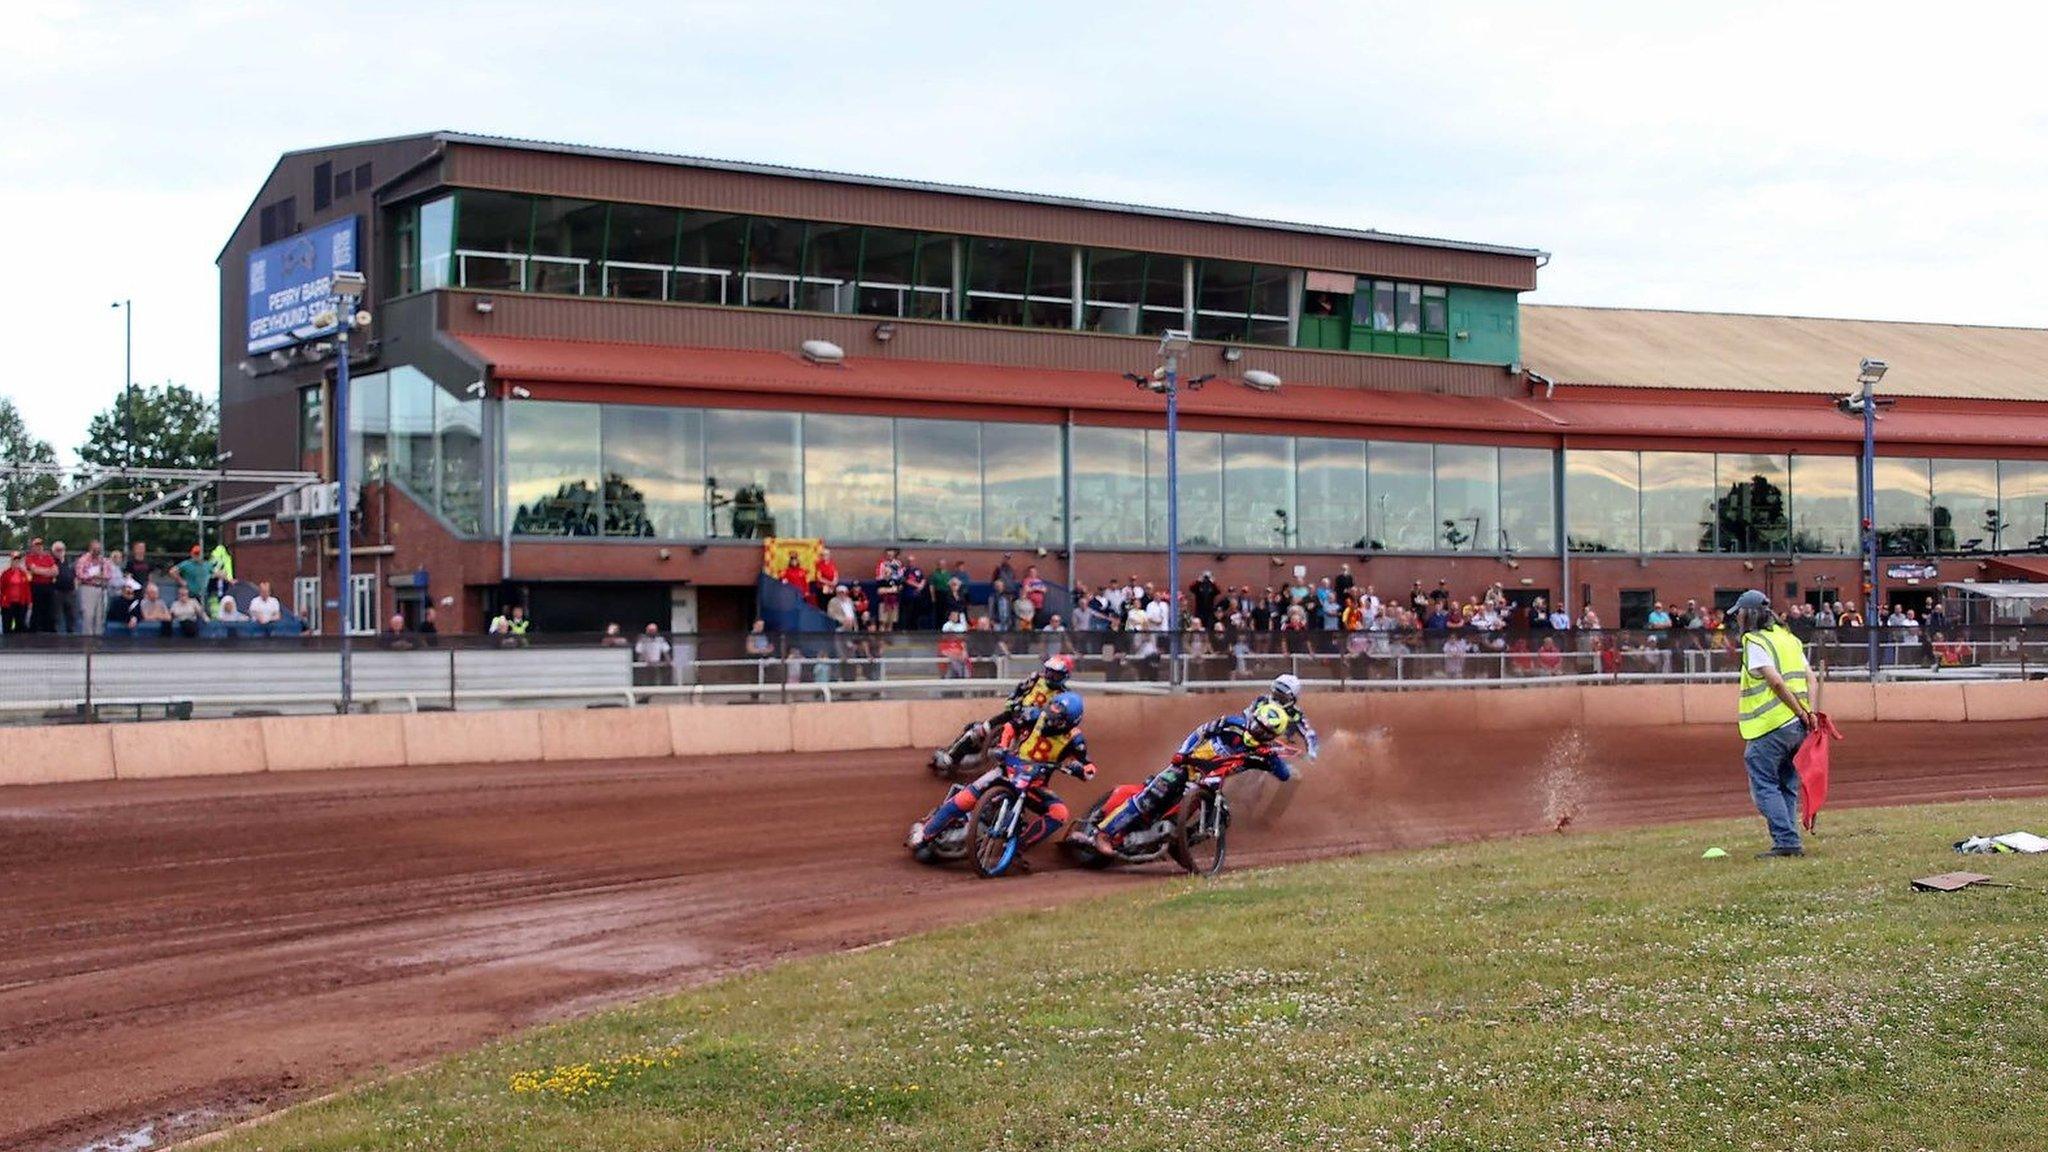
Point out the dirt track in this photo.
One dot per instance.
(217, 947)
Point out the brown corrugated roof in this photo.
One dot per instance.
(1640, 348)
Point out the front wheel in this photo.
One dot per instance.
(1199, 836)
(994, 829)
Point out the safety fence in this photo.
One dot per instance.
(54, 679)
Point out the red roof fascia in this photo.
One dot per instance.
(1574, 412)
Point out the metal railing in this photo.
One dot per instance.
(51, 679)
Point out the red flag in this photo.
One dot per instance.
(1811, 762)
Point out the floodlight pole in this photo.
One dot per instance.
(1173, 669)
(1868, 374)
(348, 289)
(127, 308)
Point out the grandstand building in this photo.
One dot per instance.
(595, 380)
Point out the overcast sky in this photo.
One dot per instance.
(1821, 159)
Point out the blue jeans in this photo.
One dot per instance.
(1773, 783)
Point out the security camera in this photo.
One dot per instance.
(476, 389)
(521, 393)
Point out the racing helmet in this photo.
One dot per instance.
(1286, 688)
(1062, 712)
(1266, 721)
(1058, 668)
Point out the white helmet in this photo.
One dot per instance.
(1286, 687)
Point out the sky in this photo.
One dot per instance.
(1869, 160)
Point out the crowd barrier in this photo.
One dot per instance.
(73, 753)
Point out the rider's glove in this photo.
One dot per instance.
(1085, 771)
(1212, 781)
(1177, 760)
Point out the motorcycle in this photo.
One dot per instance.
(1194, 831)
(993, 833)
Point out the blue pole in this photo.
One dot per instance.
(1870, 610)
(341, 533)
(1173, 518)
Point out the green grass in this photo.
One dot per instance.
(1610, 991)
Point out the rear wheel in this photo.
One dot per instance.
(993, 852)
(1198, 838)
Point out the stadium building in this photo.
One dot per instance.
(595, 380)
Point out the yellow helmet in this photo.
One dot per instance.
(1267, 721)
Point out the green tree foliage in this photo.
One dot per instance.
(175, 427)
(18, 446)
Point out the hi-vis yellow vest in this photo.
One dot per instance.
(1759, 711)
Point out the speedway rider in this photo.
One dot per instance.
(1049, 736)
(1286, 692)
(1264, 723)
(1031, 693)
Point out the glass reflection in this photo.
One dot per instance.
(1965, 504)
(551, 471)
(1905, 513)
(653, 471)
(1678, 501)
(1601, 501)
(1109, 485)
(2023, 503)
(1467, 497)
(1201, 489)
(1258, 491)
(1403, 498)
(1528, 500)
(849, 477)
(458, 425)
(1330, 487)
(1825, 512)
(938, 480)
(369, 420)
(1753, 511)
(412, 432)
(1021, 483)
(754, 471)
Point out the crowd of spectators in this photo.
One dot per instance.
(45, 589)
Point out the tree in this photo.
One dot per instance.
(17, 446)
(175, 427)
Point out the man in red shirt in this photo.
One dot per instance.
(14, 595)
(42, 587)
(826, 580)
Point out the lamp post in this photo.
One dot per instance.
(1166, 380)
(127, 308)
(349, 288)
(1866, 403)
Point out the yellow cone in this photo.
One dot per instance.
(1713, 854)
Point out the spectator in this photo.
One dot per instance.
(185, 612)
(1456, 649)
(1548, 658)
(797, 579)
(1001, 607)
(1034, 587)
(223, 564)
(914, 599)
(1056, 637)
(510, 627)
(64, 600)
(1205, 593)
(612, 638)
(889, 589)
(93, 573)
(1024, 612)
(429, 629)
(265, 611)
(138, 570)
(15, 596)
(42, 586)
(1156, 613)
(1004, 574)
(150, 609)
(760, 645)
(394, 636)
(939, 598)
(651, 657)
(826, 578)
(195, 574)
(953, 646)
(1589, 620)
(840, 609)
(1345, 582)
(230, 612)
(1560, 620)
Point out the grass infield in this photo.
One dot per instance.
(1583, 991)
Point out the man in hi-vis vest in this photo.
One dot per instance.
(1775, 710)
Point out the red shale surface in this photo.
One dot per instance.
(210, 948)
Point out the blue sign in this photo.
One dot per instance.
(290, 283)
